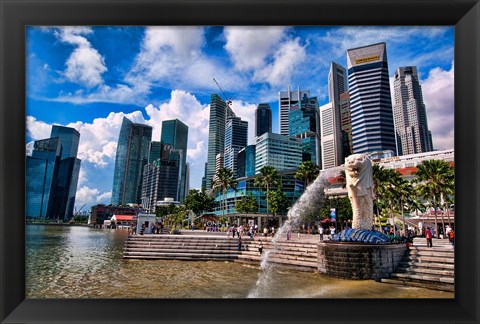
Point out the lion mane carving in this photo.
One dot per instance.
(359, 176)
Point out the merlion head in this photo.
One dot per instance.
(356, 164)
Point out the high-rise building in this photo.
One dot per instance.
(52, 175)
(160, 181)
(346, 124)
(337, 84)
(68, 172)
(236, 133)
(175, 133)
(219, 163)
(219, 111)
(204, 178)
(263, 119)
(304, 123)
(131, 157)
(155, 151)
(285, 100)
(327, 135)
(246, 162)
(409, 112)
(370, 99)
(281, 152)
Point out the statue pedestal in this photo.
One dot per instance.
(351, 260)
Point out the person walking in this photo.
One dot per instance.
(428, 235)
(260, 247)
(320, 230)
(451, 237)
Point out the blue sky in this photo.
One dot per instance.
(90, 77)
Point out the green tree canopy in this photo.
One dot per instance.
(198, 201)
(268, 177)
(247, 204)
(278, 202)
(307, 171)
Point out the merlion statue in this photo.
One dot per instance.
(359, 176)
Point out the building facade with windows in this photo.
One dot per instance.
(263, 119)
(236, 133)
(131, 157)
(413, 135)
(285, 100)
(337, 84)
(175, 133)
(346, 125)
(219, 111)
(304, 123)
(370, 99)
(279, 151)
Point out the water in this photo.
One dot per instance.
(81, 262)
(310, 202)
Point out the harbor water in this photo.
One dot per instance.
(83, 262)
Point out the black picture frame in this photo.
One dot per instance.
(15, 15)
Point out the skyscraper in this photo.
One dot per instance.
(52, 175)
(160, 179)
(409, 112)
(346, 124)
(131, 157)
(155, 151)
(327, 135)
(246, 162)
(263, 119)
(285, 100)
(41, 174)
(219, 111)
(370, 99)
(175, 133)
(337, 84)
(281, 152)
(304, 123)
(236, 134)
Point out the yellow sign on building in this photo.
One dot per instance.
(367, 59)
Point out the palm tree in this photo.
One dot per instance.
(268, 177)
(307, 171)
(434, 177)
(403, 192)
(383, 184)
(224, 180)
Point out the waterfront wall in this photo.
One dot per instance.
(359, 261)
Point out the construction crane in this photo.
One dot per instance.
(228, 101)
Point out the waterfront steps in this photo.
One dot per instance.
(182, 247)
(432, 268)
(292, 254)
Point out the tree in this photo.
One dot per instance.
(268, 177)
(307, 171)
(434, 177)
(403, 192)
(246, 204)
(223, 181)
(198, 201)
(278, 202)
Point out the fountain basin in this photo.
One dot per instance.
(353, 260)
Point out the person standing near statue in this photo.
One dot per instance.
(320, 230)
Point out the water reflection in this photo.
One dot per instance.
(81, 262)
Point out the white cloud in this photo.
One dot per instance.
(85, 64)
(250, 46)
(186, 108)
(246, 111)
(438, 95)
(38, 129)
(91, 196)
(287, 58)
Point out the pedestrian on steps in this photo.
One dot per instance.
(428, 235)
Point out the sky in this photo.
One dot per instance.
(89, 78)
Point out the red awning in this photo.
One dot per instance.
(124, 218)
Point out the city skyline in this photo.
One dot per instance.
(82, 82)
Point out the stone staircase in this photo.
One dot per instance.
(299, 255)
(432, 268)
(182, 247)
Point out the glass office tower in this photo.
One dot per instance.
(175, 133)
(370, 99)
(263, 119)
(236, 133)
(131, 157)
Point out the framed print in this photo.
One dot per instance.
(87, 85)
